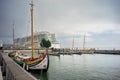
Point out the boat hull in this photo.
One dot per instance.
(41, 65)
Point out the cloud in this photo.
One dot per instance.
(65, 18)
(69, 17)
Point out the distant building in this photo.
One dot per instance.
(1, 44)
(26, 41)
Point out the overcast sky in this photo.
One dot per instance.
(99, 19)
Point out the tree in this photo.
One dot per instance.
(48, 44)
(45, 43)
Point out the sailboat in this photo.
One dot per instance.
(30, 62)
(84, 50)
(74, 51)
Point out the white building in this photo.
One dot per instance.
(1, 44)
(26, 41)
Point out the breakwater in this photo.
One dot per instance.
(107, 51)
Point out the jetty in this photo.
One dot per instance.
(107, 52)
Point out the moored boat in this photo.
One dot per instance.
(38, 63)
(84, 50)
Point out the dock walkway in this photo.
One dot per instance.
(1, 78)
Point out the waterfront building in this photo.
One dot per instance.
(1, 44)
(26, 41)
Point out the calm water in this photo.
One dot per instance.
(82, 67)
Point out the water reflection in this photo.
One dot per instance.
(41, 75)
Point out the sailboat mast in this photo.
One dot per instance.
(13, 35)
(32, 28)
(73, 43)
(84, 42)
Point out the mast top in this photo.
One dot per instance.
(32, 3)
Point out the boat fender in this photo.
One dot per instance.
(24, 66)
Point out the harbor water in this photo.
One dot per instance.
(82, 67)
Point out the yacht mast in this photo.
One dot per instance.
(13, 35)
(32, 28)
(73, 43)
(84, 42)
